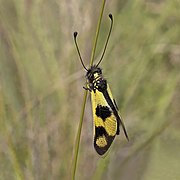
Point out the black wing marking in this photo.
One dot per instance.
(100, 132)
(116, 104)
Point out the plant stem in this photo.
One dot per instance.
(78, 136)
(97, 32)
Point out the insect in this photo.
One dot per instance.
(107, 121)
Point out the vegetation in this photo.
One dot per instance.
(41, 92)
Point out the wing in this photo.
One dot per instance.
(112, 103)
(106, 124)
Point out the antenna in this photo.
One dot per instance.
(75, 40)
(111, 18)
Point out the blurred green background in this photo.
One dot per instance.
(41, 92)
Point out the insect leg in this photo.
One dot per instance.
(86, 88)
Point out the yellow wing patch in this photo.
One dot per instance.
(111, 125)
(101, 141)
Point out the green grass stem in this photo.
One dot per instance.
(78, 136)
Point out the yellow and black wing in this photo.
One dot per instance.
(106, 120)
